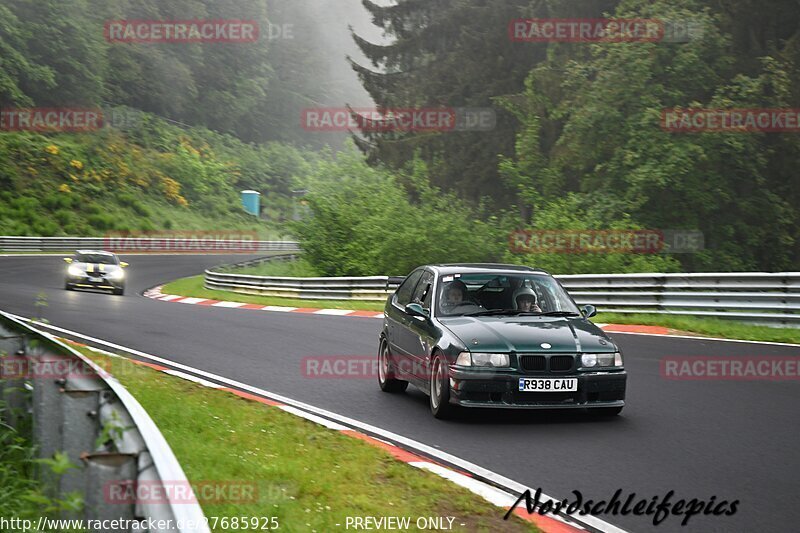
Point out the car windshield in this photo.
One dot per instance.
(103, 259)
(493, 294)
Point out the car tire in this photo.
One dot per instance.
(68, 287)
(386, 378)
(119, 292)
(606, 411)
(440, 389)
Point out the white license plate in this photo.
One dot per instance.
(95, 280)
(548, 384)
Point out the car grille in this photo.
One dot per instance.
(539, 363)
(561, 363)
(533, 363)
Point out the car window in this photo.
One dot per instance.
(474, 292)
(406, 290)
(422, 294)
(103, 259)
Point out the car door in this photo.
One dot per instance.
(396, 319)
(418, 336)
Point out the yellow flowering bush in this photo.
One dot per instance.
(64, 188)
(52, 149)
(172, 191)
(76, 164)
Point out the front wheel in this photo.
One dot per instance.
(440, 389)
(119, 292)
(386, 378)
(68, 286)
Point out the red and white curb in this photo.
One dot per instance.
(496, 489)
(156, 294)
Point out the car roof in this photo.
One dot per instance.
(481, 268)
(100, 252)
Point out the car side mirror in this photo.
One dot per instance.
(68, 260)
(589, 311)
(416, 310)
(123, 264)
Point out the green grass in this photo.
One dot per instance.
(193, 286)
(309, 477)
(727, 329)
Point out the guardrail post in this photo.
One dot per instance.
(12, 379)
(47, 419)
(661, 286)
(80, 412)
(108, 476)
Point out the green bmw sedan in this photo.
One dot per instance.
(497, 336)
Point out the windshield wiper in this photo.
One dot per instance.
(490, 312)
(503, 312)
(561, 313)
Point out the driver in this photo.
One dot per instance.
(455, 293)
(525, 300)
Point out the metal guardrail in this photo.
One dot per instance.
(371, 288)
(768, 298)
(123, 244)
(759, 297)
(78, 409)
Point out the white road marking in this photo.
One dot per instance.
(308, 416)
(339, 312)
(228, 304)
(192, 300)
(189, 377)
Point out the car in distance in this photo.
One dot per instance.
(95, 269)
(497, 336)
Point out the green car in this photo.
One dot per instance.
(497, 336)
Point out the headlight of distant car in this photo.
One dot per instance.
(591, 360)
(498, 360)
(75, 271)
(116, 274)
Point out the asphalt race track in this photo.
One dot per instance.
(736, 440)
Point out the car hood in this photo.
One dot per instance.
(96, 267)
(527, 334)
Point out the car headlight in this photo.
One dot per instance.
(116, 274)
(75, 271)
(590, 360)
(494, 360)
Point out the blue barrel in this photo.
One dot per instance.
(251, 201)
